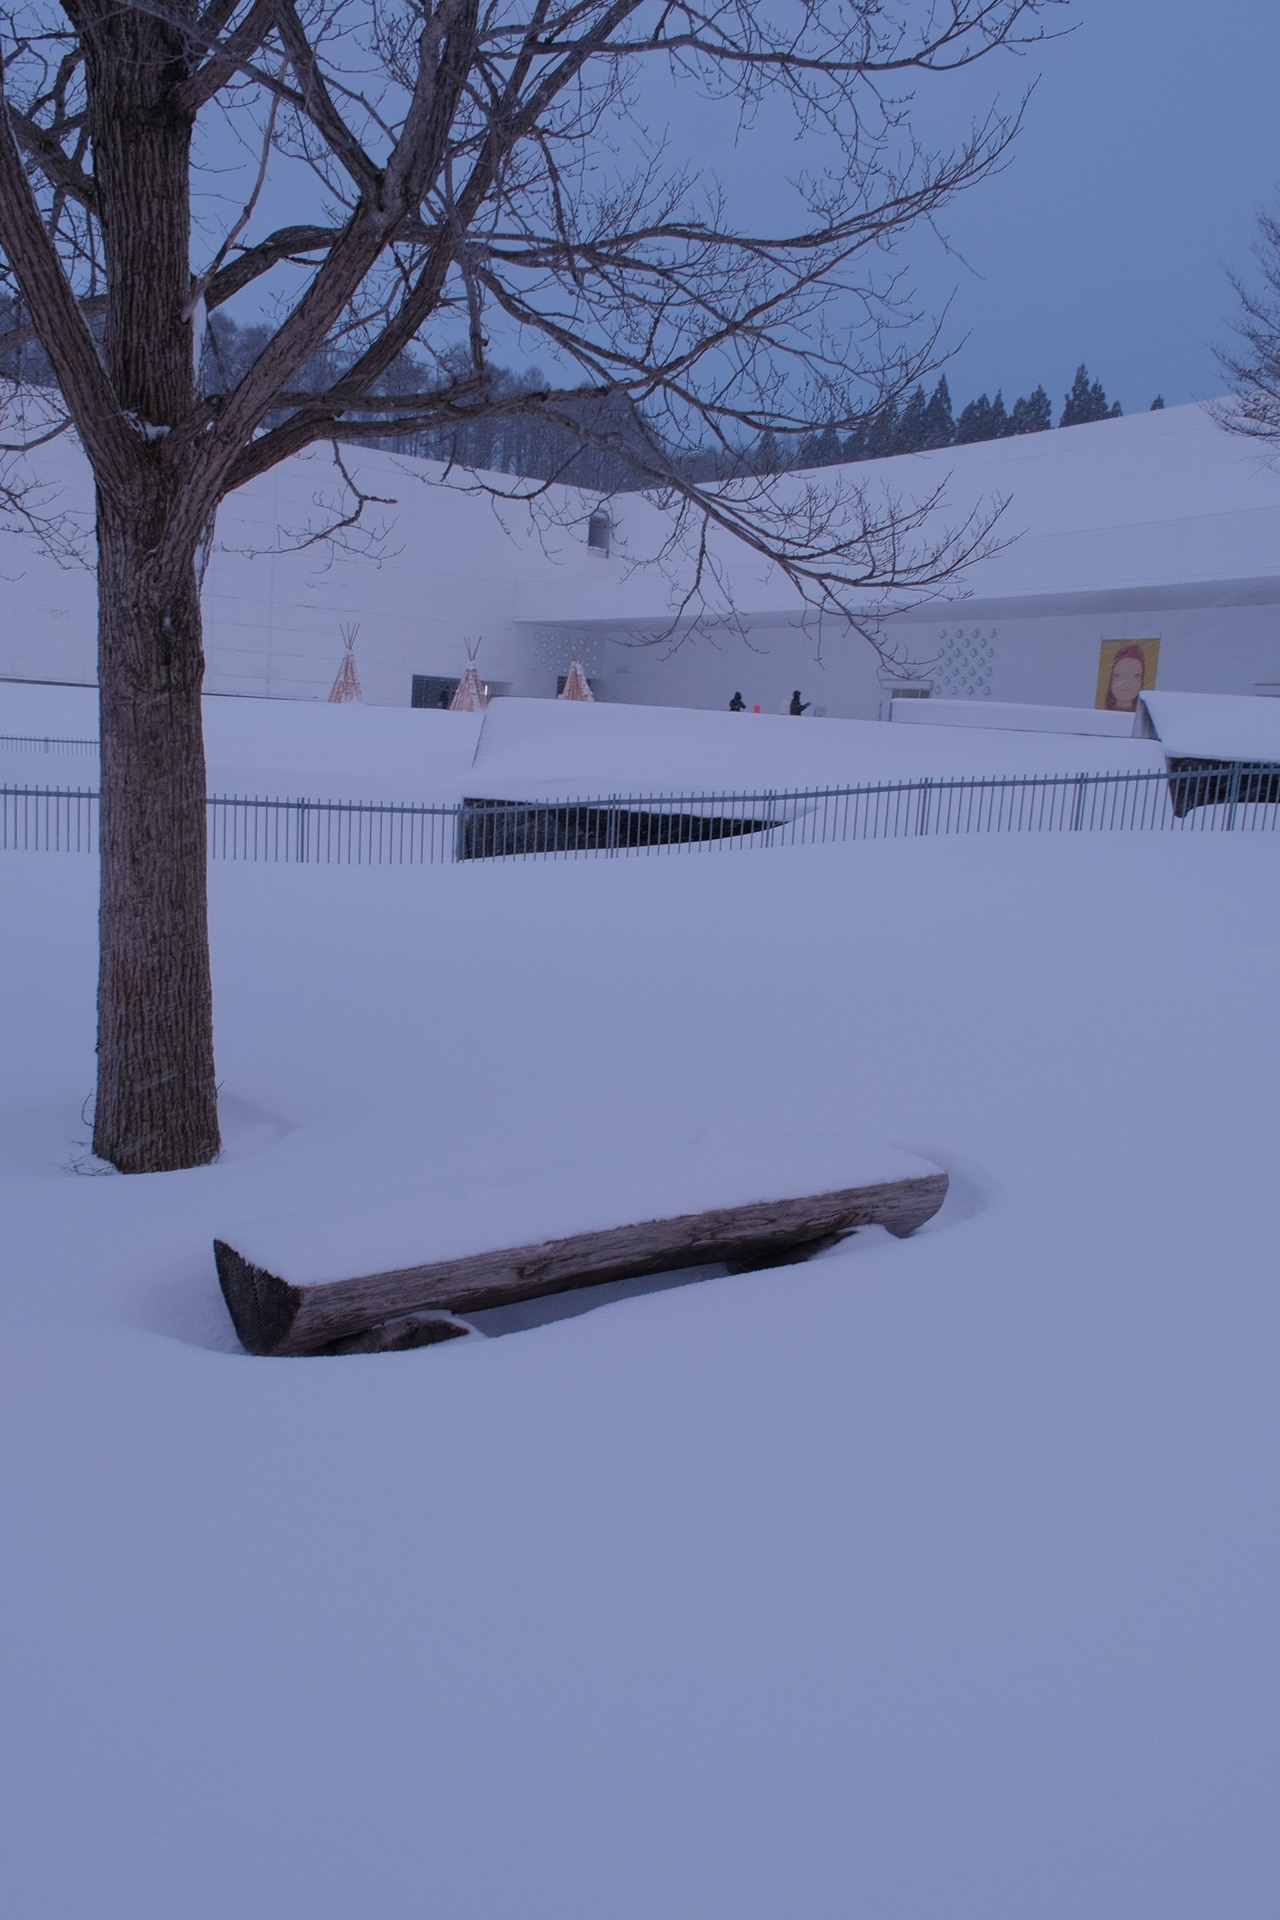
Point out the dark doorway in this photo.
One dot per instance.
(432, 690)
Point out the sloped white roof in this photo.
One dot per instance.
(1166, 505)
(551, 749)
(555, 749)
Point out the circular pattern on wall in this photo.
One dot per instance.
(556, 653)
(965, 663)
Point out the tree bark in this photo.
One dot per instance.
(157, 1096)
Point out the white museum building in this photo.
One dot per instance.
(1146, 547)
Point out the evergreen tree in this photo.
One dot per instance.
(766, 455)
(913, 424)
(1086, 401)
(982, 419)
(876, 434)
(940, 428)
(1033, 415)
(972, 421)
(825, 449)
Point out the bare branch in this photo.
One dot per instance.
(226, 63)
(57, 165)
(1253, 367)
(201, 287)
(56, 315)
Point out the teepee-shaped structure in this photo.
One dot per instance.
(346, 682)
(575, 684)
(469, 695)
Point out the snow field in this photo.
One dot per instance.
(933, 1580)
(547, 749)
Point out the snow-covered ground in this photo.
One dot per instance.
(934, 1580)
(548, 749)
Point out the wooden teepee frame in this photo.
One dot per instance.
(575, 684)
(346, 682)
(469, 695)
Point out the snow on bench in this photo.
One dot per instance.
(396, 1270)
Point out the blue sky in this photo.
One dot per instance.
(1150, 143)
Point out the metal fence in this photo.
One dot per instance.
(320, 832)
(1187, 797)
(41, 743)
(359, 833)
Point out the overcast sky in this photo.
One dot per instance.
(1152, 139)
(1150, 142)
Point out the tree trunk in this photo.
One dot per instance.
(157, 1097)
(157, 1104)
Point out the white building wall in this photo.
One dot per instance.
(1166, 499)
(422, 573)
(766, 667)
(426, 570)
(49, 607)
(998, 656)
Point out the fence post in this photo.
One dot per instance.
(1077, 807)
(922, 809)
(1233, 796)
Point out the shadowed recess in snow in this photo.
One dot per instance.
(526, 1314)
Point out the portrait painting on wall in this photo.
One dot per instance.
(1126, 668)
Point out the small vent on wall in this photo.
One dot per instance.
(902, 690)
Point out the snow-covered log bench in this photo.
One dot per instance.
(392, 1271)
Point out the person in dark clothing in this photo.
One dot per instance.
(797, 704)
(737, 704)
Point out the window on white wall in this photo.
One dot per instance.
(599, 532)
(432, 690)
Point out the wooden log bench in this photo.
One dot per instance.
(353, 1279)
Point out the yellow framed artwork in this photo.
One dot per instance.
(1126, 668)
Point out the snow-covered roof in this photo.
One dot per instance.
(552, 749)
(555, 749)
(1215, 726)
(1165, 506)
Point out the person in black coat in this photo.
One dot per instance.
(797, 704)
(737, 704)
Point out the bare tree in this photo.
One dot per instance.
(472, 165)
(1252, 364)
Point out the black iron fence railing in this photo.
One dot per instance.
(1202, 796)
